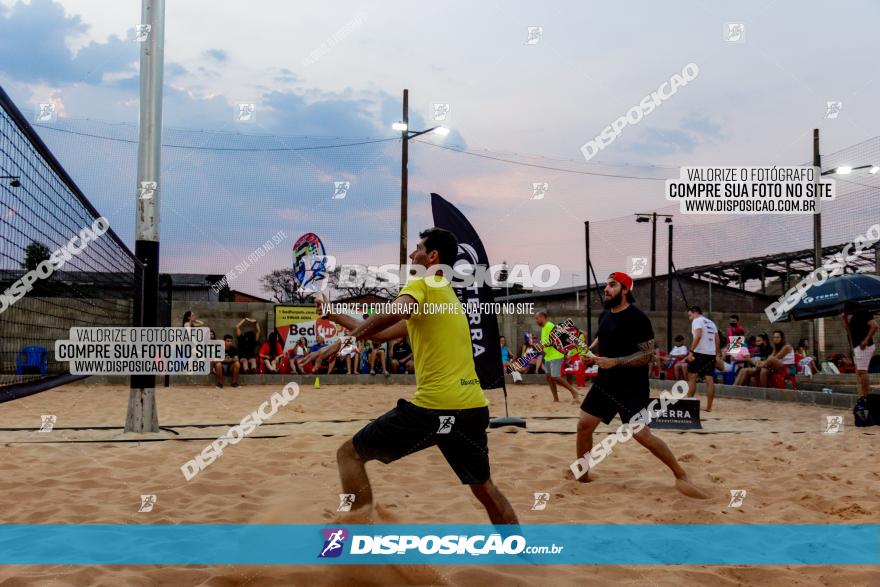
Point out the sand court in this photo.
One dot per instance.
(86, 471)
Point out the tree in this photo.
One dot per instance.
(34, 254)
(283, 286)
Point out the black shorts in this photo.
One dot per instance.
(459, 434)
(702, 364)
(605, 403)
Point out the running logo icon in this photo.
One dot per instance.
(446, 423)
(246, 113)
(540, 189)
(346, 500)
(142, 32)
(147, 190)
(833, 424)
(147, 503)
(833, 108)
(534, 35)
(638, 265)
(46, 113)
(342, 188)
(541, 501)
(334, 540)
(735, 32)
(47, 423)
(737, 497)
(440, 112)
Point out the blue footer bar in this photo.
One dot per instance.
(546, 544)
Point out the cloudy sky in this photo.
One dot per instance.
(331, 74)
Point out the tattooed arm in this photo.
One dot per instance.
(640, 358)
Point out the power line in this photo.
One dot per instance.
(203, 148)
(511, 161)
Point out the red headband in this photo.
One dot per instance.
(623, 279)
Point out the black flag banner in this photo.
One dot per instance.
(484, 325)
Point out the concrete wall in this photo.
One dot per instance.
(223, 316)
(701, 293)
(35, 321)
(513, 327)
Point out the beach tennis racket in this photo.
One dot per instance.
(310, 263)
(564, 337)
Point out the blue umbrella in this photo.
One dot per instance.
(847, 293)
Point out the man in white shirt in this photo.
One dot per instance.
(704, 351)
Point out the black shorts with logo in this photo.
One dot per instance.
(406, 429)
(606, 403)
(702, 364)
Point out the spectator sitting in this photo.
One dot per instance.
(402, 357)
(505, 352)
(536, 364)
(377, 359)
(737, 353)
(319, 344)
(297, 352)
(748, 375)
(808, 364)
(780, 361)
(247, 345)
(752, 345)
(676, 359)
(349, 354)
(271, 353)
(229, 365)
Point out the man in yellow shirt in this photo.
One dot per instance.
(553, 359)
(449, 408)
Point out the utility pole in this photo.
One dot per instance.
(589, 296)
(818, 323)
(669, 295)
(653, 261)
(404, 160)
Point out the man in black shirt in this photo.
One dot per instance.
(247, 345)
(624, 346)
(229, 364)
(862, 328)
(402, 357)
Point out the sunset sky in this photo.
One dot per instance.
(334, 72)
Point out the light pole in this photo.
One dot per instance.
(669, 290)
(503, 275)
(652, 218)
(405, 136)
(577, 294)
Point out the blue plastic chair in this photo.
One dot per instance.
(31, 360)
(364, 366)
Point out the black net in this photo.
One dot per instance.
(42, 214)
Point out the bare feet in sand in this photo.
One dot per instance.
(569, 475)
(687, 488)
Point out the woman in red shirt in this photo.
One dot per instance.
(271, 353)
